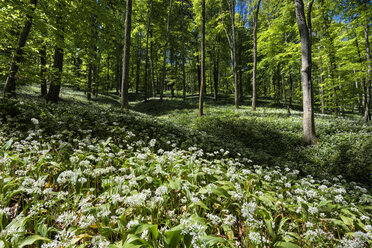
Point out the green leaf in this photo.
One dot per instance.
(220, 192)
(134, 242)
(30, 240)
(152, 228)
(340, 224)
(270, 228)
(213, 240)
(8, 145)
(175, 184)
(78, 238)
(347, 220)
(286, 245)
(174, 236)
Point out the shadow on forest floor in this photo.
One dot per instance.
(269, 136)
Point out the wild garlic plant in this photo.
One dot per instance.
(83, 177)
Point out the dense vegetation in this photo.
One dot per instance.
(185, 123)
(86, 174)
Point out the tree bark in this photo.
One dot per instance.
(125, 80)
(162, 83)
(232, 44)
(43, 70)
(138, 66)
(216, 76)
(145, 86)
(152, 69)
(117, 73)
(183, 52)
(308, 111)
(367, 111)
(202, 62)
(254, 90)
(55, 84)
(10, 83)
(321, 84)
(291, 90)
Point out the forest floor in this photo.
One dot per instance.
(88, 174)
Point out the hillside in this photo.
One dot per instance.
(88, 174)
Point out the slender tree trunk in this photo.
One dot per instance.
(321, 84)
(367, 111)
(216, 76)
(254, 90)
(89, 90)
(358, 93)
(162, 83)
(232, 44)
(117, 73)
(330, 48)
(96, 69)
(198, 71)
(233, 53)
(152, 69)
(125, 80)
(341, 92)
(183, 52)
(145, 86)
(202, 62)
(291, 90)
(138, 66)
(308, 111)
(55, 85)
(43, 70)
(10, 83)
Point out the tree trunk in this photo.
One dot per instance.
(43, 70)
(308, 112)
(55, 85)
(138, 66)
(202, 62)
(254, 91)
(152, 69)
(145, 84)
(216, 76)
(330, 48)
(367, 111)
(358, 93)
(10, 83)
(232, 44)
(183, 54)
(233, 53)
(125, 80)
(321, 84)
(291, 90)
(162, 83)
(89, 90)
(117, 73)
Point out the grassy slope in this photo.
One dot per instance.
(117, 146)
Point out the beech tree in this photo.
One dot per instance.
(304, 27)
(254, 90)
(125, 80)
(10, 84)
(202, 60)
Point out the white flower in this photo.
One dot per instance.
(35, 121)
(152, 142)
(313, 210)
(215, 220)
(339, 198)
(132, 223)
(229, 220)
(162, 190)
(255, 237)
